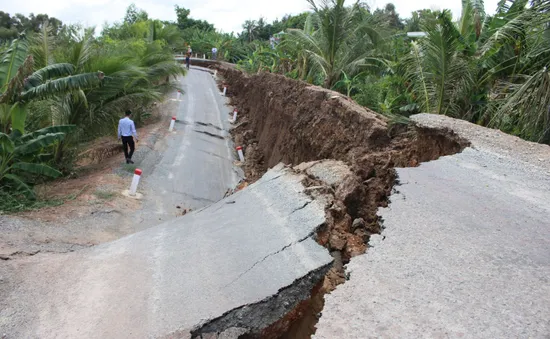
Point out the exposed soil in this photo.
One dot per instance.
(95, 181)
(283, 120)
(90, 195)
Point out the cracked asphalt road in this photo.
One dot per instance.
(465, 249)
(228, 257)
(239, 251)
(190, 168)
(194, 167)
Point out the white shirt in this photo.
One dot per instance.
(126, 128)
(214, 50)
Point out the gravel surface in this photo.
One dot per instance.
(490, 140)
(465, 250)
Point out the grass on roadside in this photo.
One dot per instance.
(130, 168)
(105, 195)
(14, 203)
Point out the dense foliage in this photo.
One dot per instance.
(54, 78)
(490, 70)
(62, 87)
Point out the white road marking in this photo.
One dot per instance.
(189, 118)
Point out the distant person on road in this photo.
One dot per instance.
(127, 132)
(187, 60)
(214, 53)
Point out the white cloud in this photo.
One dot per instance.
(226, 15)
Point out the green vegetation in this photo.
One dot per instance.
(130, 168)
(105, 195)
(492, 70)
(61, 87)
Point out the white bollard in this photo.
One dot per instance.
(135, 182)
(204, 56)
(234, 115)
(178, 95)
(240, 152)
(172, 123)
(224, 90)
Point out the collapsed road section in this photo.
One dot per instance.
(469, 232)
(242, 262)
(257, 263)
(465, 250)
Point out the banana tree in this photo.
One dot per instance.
(19, 84)
(348, 83)
(24, 156)
(341, 41)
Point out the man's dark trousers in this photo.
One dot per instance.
(128, 141)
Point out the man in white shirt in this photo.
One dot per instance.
(127, 132)
(214, 53)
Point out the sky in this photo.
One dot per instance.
(226, 15)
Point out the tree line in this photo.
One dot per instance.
(62, 85)
(492, 70)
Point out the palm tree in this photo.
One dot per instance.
(19, 84)
(131, 82)
(250, 27)
(521, 95)
(168, 34)
(340, 43)
(303, 67)
(437, 70)
(491, 70)
(21, 155)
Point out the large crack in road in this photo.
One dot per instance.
(247, 252)
(257, 263)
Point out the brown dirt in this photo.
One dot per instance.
(283, 120)
(94, 185)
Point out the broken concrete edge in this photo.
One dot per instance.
(489, 140)
(353, 195)
(344, 234)
(258, 317)
(275, 314)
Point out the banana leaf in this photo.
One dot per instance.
(39, 169)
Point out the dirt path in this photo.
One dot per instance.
(191, 167)
(94, 211)
(184, 170)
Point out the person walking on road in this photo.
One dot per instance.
(214, 53)
(127, 132)
(187, 60)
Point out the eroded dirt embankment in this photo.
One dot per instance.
(283, 120)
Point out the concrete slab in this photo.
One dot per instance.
(234, 254)
(195, 168)
(465, 252)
